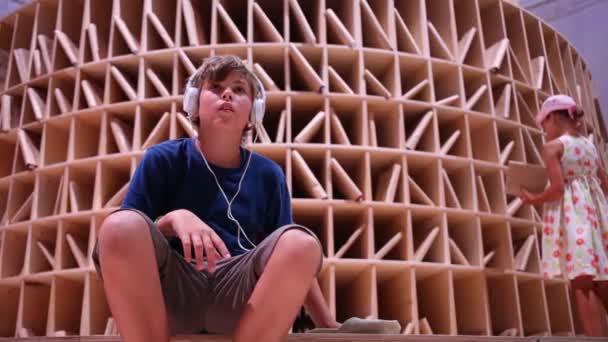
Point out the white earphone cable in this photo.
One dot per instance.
(191, 106)
(229, 210)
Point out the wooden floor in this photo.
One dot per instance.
(396, 338)
(328, 338)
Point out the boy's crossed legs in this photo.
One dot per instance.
(153, 292)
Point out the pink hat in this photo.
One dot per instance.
(553, 103)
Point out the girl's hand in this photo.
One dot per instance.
(552, 153)
(527, 197)
(195, 233)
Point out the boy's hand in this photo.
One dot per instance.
(195, 233)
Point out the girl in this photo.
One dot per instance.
(575, 220)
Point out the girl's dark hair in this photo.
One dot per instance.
(577, 117)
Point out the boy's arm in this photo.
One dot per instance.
(165, 225)
(314, 303)
(197, 238)
(317, 308)
(147, 188)
(148, 194)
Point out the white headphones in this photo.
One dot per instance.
(191, 98)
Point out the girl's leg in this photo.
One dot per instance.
(587, 306)
(601, 289)
(600, 313)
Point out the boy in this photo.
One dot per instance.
(224, 255)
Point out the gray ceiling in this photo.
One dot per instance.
(9, 6)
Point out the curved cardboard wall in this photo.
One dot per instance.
(392, 120)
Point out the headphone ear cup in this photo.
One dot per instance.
(191, 101)
(257, 113)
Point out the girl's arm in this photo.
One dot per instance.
(552, 152)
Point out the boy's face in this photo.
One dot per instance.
(226, 104)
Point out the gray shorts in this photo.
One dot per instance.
(199, 301)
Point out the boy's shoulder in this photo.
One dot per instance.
(177, 150)
(267, 166)
(169, 149)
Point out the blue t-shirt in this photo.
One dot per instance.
(173, 175)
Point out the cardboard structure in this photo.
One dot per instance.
(394, 122)
(521, 175)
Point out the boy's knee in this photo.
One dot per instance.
(120, 231)
(299, 246)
